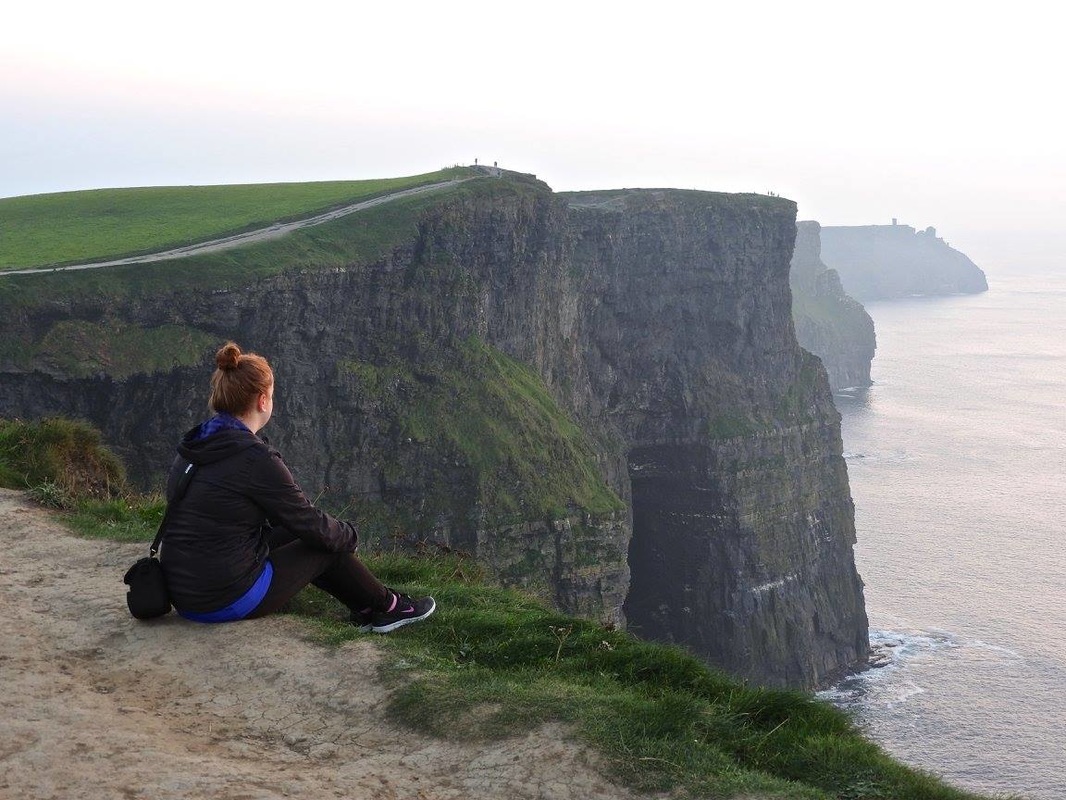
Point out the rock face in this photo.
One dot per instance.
(598, 395)
(829, 323)
(889, 261)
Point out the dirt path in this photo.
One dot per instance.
(96, 705)
(274, 231)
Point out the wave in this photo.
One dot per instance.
(888, 457)
(889, 679)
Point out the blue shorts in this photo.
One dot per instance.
(242, 606)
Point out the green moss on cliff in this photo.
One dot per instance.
(79, 348)
(820, 308)
(792, 406)
(795, 405)
(527, 457)
(731, 424)
(619, 199)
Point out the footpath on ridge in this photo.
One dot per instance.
(275, 231)
(97, 705)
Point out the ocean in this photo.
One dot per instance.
(957, 462)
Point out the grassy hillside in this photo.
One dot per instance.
(354, 239)
(74, 227)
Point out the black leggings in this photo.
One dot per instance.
(342, 575)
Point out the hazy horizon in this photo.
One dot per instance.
(938, 116)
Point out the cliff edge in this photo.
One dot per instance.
(96, 704)
(829, 322)
(599, 395)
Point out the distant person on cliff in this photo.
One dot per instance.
(244, 538)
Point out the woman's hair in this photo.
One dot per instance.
(239, 380)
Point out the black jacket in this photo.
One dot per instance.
(215, 542)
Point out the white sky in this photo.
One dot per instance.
(939, 113)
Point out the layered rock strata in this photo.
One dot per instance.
(638, 344)
(829, 323)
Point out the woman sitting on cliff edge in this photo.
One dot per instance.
(244, 538)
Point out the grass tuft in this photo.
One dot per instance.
(497, 416)
(51, 494)
(58, 458)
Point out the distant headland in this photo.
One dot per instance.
(877, 262)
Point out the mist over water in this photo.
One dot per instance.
(957, 463)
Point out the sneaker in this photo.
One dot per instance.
(363, 620)
(404, 611)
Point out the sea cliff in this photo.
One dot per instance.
(888, 261)
(598, 395)
(829, 323)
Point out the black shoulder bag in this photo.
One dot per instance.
(147, 596)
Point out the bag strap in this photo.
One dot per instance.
(179, 492)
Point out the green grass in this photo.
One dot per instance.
(100, 343)
(97, 225)
(351, 240)
(61, 459)
(493, 663)
(123, 519)
(65, 465)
